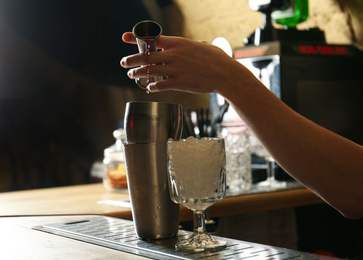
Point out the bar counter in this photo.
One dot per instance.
(19, 241)
(94, 199)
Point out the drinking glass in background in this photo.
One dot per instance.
(258, 149)
(238, 156)
(197, 180)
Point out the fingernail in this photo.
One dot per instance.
(123, 62)
(150, 87)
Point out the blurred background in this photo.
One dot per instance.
(63, 93)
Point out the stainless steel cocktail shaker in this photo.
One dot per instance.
(148, 125)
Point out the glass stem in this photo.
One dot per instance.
(199, 221)
(270, 170)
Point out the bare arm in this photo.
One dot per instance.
(328, 164)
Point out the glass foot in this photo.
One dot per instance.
(200, 242)
(272, 183)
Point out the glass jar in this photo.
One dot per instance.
(238, 156)
(114, 178)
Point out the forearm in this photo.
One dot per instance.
(323, 161)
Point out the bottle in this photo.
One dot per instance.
(293, 13)
(114, 178)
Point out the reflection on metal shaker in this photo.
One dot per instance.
(148, 125)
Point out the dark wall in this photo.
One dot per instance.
(323, 229)
(85, 35)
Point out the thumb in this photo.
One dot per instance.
(128, 37)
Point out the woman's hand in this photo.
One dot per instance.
(190, 66)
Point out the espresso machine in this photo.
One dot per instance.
(323, 82)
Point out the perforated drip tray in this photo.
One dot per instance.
(119, 234)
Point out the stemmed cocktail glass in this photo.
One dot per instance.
(260, 150)
(197, 180)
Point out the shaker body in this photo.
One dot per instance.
(155, 215)
(148, 125)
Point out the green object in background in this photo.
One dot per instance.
(291, 15)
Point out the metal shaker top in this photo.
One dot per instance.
(152, 122)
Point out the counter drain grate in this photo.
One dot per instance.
(119, 234)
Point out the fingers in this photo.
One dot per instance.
(168, 83)
(158, 86)
(132, 61)
(150, 71)
(135, 60)
(171, 84)
(164, 85)
(141, 72)
(128, 37)
(164, 43)
(141, 59)
(171, 79)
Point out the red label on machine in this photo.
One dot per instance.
(322, 50)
